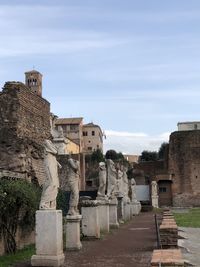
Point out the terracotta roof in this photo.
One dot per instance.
(68, 121)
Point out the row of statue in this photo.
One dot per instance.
(113, 181)
(51, 183)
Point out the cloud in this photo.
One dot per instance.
(133, 143)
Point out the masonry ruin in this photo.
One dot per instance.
(184, 167)
(24, 125)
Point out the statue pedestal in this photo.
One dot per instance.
(135, 208)
(113, 213)
(120, 209)
(155, 201)
(90, 221)
(73, 232)
(49, 239)
(104, 216)
(127, 211)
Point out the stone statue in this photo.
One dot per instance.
(120, 186)
(125, 183)
(154, 188)
(73, 184)
(133, 190)
(51, 184)
(112, 175)
(102, 180)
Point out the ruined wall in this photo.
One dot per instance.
(24, 124)
(184, 167)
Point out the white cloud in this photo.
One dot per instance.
(133, 143)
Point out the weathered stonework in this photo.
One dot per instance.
(184, 167)
(24, 125)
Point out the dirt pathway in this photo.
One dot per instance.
(130, 245)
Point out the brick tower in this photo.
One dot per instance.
(33, 80)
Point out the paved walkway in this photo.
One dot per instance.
(190, 244)
(130, 245)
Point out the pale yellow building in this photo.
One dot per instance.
(92, 138)
(72, 147)
(72, 129)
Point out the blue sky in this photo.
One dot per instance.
(133, 67)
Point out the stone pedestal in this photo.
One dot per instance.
(49, 239)
(73, 232)
(120, 209)
(104, 216)
(90, 221)
(127, 212)
(155, 201)
(113, 213)
(135, 208)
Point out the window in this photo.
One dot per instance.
(162, 189)
(195, 126)
(93, 133)
(85, 133)
(89, 148)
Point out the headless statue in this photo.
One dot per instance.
(51, 184)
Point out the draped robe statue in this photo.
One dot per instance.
(73, 184)
(51, 183)
(112, 175)
(102, 180)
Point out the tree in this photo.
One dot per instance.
(148, 156)
(97, 156)
(163, 150)
(111, 154)
(19, 201)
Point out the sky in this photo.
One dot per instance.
(131, 66)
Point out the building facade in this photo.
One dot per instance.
(188, 126)
(92, 138)
(72, 129)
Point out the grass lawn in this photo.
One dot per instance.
(21, 255)
(188, 219)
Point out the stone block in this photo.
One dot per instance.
(127, 212)
(104, 217)
(90, 221)
(113, 213)
(167, 258)
(49, 239)
(73, 232)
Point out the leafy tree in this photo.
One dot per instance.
(148, 156)
(163, 150)
(111, 154)
(18, 202)
(97, 156)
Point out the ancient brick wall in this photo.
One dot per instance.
(24, 124)
(184, 167)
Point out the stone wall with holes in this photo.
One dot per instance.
(184, 167)
(24, 124)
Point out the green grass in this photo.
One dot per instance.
(188, 219)
(21, 255)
